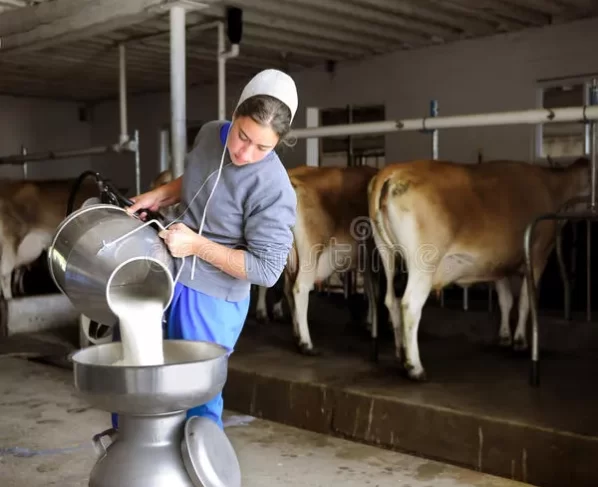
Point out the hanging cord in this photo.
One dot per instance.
(203, 218)
(166, 226)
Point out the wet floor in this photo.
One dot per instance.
(45, 433)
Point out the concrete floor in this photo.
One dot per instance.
(45, 433)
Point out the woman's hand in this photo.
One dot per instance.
(165, 195)
(152, 200)
(180, 239)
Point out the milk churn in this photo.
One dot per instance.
(101, 251)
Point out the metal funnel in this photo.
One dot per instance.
(193, 373)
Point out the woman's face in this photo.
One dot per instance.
(249, 142)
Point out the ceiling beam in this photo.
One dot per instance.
(62, 21)
(365, 15)
(278, 13)
(419, 10)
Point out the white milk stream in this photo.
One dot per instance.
(140, 322)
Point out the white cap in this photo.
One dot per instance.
(273, 83)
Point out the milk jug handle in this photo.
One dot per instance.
(145, 224)
(99, 444)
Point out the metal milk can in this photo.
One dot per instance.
(100, 251)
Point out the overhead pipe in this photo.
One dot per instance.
(543, 115)
(67, 154)
(178, 86)
(234, 31)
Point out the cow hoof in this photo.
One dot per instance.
(309, 351)
(261, 317)
(277, 313)
(374, 352)
(520, 345)
(505, 342)
(412, 373)
(416, 375)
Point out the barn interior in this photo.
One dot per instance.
(122, 88)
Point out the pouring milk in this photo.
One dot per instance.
(140, 322)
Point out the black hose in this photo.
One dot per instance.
(108, 194)
(75, 188)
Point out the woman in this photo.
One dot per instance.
(246, 235)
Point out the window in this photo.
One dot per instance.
(355, 150)
(569, 139)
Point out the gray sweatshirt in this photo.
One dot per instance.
(253, 208)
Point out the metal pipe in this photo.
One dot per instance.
(593, 174)
(178, 85)
(589, 267)
(67, 154)
(137, 164)
(122, 93)
(563, 271)
(350, 161)
(221, 73)
(594, 167)
(434, 113)
(24, 152)
(531, 286)
(435, 155)
(223, 56)
(544, 116)
(164, 149)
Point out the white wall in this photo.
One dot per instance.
(41, 126)
(487, 75)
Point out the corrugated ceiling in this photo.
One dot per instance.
(288, 34)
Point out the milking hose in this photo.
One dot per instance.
(105, 188)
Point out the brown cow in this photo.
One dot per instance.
(462, 224)
(332, 234)
(332, 229)
(30, 212)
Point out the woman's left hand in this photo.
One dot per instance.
(180, 239)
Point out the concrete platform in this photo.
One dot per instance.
(477, 408)
(45, 440)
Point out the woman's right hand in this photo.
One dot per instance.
(152, 201)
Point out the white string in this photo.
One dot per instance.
(203, 218)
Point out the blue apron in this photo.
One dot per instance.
(193, 315)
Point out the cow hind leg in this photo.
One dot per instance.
(372, 318)
(6, 286)
(304, 284)
(277, 311)
(419, 285)
(505, 302)
(279, 294)
(261, 310)
(388, 256)
(288, 294)
(8, 263)
(520, 342)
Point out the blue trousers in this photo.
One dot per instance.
(193, 315)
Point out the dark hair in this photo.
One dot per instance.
(268, 111)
